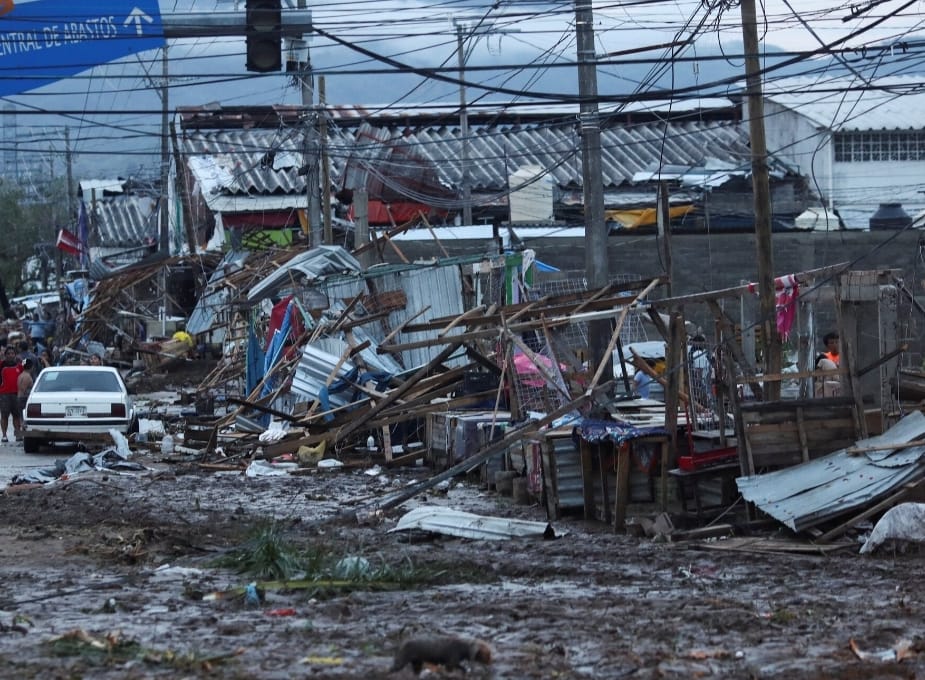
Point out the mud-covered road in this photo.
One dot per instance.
(137, 576)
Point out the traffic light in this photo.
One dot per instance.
(264, 34)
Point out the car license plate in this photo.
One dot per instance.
(74, 411)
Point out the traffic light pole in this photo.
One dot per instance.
(294, 23)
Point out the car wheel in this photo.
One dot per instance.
(31, 444)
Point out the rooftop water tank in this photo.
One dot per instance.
(890, 216)
(531, 197)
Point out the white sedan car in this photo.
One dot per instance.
(77, 403)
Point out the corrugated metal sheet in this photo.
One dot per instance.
(897, 103)
(315, 366)
(312, 264)
(214, 300)
(806, 495)
(437, 287)
(569, 485)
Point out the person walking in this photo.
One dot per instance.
(10, 371)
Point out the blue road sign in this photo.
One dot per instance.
(47, 40)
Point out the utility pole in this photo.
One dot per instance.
(325, 165)
(596, 259)
(463, 126)
(312, 150)
(165, 169)
(770, 338)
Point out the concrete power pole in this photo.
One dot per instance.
(463, 126)
(165, 167)
(312, 149)
(596, 257)
(771, 342)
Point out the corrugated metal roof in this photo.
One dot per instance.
(894, 103)
(124, 221)
(248, 162)
(806, 495)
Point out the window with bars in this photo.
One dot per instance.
(880, 146)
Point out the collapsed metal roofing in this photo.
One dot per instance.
(806, 495)
(311, 264)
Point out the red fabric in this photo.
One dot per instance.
(9, 378)
(387, 214)
(296, 327)
(68, 242)
(787, 309)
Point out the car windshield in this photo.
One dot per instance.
(77, 381)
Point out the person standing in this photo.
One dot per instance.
(829, 385)
(23, 387)
(10, 371)
(832, 348)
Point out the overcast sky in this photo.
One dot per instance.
(112, 110)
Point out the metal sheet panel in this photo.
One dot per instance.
(469, 525)
(808, 494)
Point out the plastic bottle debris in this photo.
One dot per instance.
(352, 567)
(167, 445)
(251, 594)
(371, 443)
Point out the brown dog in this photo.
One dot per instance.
(447, 651)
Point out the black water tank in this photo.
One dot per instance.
(890, 216)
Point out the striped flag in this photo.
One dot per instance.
(68, 242)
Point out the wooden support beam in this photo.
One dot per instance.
(885, 504)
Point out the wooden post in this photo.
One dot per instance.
(587, 483)
(762, 193)
(675, 368)
(621, 499)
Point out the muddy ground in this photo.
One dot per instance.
(110, 576)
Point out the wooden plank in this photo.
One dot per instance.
(857, 450)
(871, 511)
(801, 430)
(675, 361)
(622, 488)
(737, 291)
(587, 484)
(615, 336)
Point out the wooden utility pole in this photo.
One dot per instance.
(771, 343)
(596, 260)
(663, 220)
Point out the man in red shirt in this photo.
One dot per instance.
(9, 390)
